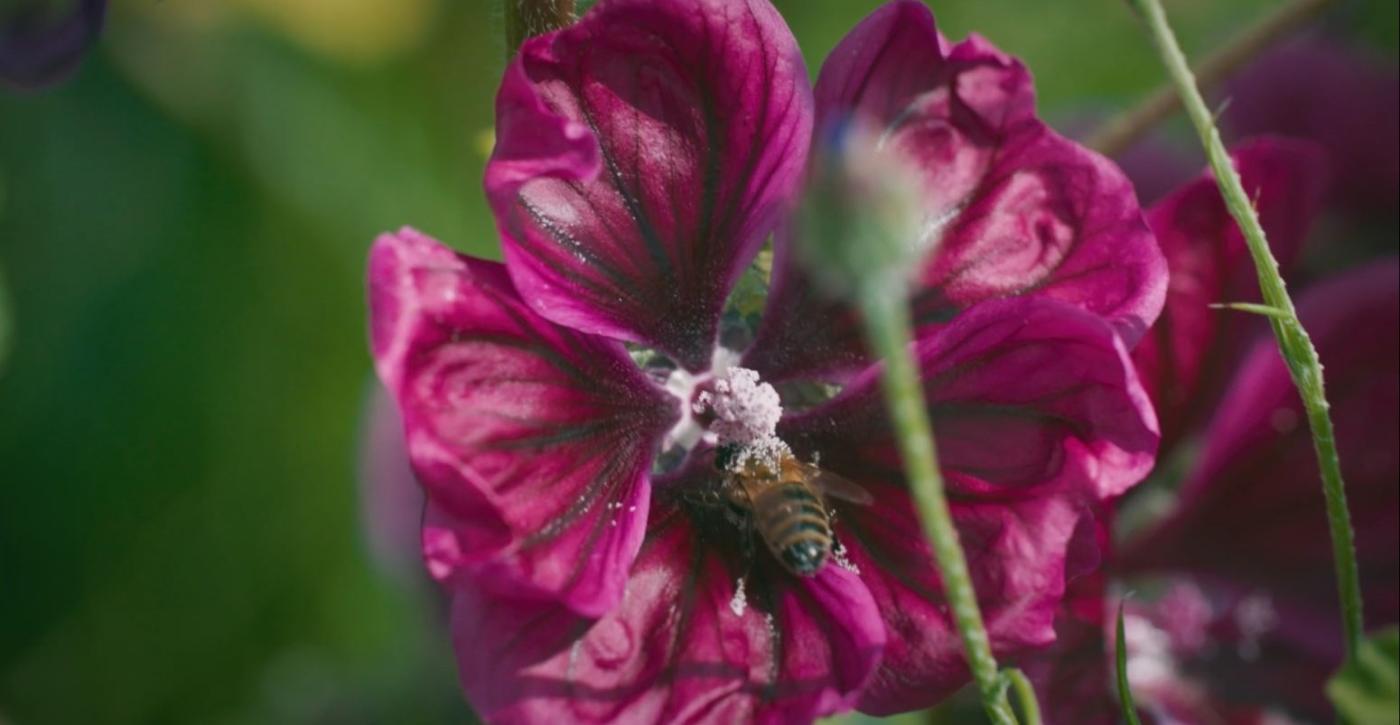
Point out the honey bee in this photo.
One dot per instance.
(785, 499)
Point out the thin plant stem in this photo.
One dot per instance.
(1120, 670)
(1025, 696)
(527, 18)
(887, 324)
(1293, 341)
(1122, 131)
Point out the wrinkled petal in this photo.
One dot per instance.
(1017, 554)
(1252, 512)
(1210, 263)
(642, 156)
(677, 648)
(1072, 677)
(1026, 396)
(37, 48)
(1012, 209)
(896, 55)
(533, 441)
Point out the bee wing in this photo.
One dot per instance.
(835, 485)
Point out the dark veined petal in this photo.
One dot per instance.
(1027, 397)
(642, 156)
(40, 47)
(678, 648)
(1252, 513)
(1012, 209)
(1192, 343)
(1017, 553)
(533, 441)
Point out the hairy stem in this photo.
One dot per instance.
(1293, 340)
(526, 18)
(887, 325)
(1122, 131)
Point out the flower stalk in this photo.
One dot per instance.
(1293, 341)
(1121, 132)
(887, 325)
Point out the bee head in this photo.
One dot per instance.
(726, 454)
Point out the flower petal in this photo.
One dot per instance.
(677, 648)
(533, 441)
(1013, 209)
(1209, 263)
(642, 156)
(1017, 553)
(1252, 513)
(1334, 93)
(896, 54)
(1026, 396)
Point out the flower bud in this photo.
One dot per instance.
(859, 226)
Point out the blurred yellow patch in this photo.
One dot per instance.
(356, 32)
(352, 31)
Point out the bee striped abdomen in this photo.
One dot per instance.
(794, 524)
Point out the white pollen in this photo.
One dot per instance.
(765, 453)
(739, 603)
(746, 409)
(839, 556)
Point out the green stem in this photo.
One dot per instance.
(887, 325)
(1293, 341)
(527, 18)
(1025, 695)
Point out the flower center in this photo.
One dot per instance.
(745, 410)
(726, 405)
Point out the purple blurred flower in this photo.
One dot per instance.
(643, 156)
(1320, 90)
(1193, 346)
(1238, 618)
(391, 501)
(41, 44)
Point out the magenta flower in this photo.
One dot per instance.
(643, 157)
(1236, 615)
(1319, 89)
(41, 45)
(1274, 561)
(1192, 344)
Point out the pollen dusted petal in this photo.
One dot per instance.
(1037, 415)
(1018, 554)
(677, 648)
(1013, 208)
(533, 441)
(1209, 263)
(642, 156)
(1027, 397)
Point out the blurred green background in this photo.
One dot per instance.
(183, 229)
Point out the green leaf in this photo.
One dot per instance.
(1250, 307)
(1125, 693)
(1367, 689)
